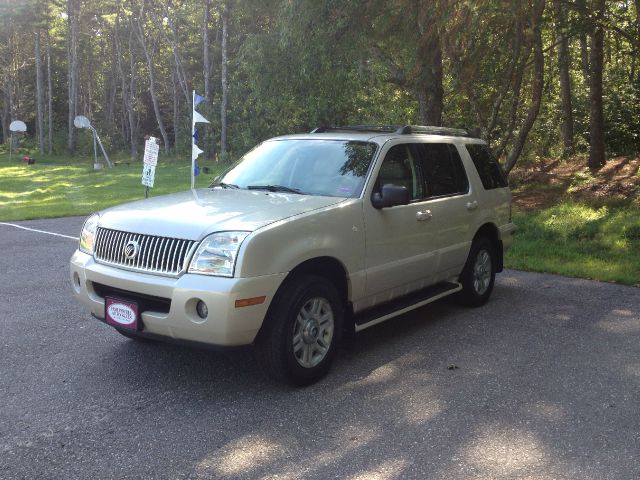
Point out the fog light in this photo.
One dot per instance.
(202, 309)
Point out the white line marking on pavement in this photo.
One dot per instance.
(39, 231)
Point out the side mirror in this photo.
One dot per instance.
(391, 196)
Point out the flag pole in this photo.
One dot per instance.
(193, 132)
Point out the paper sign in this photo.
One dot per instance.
(151, 149)
(148, 175)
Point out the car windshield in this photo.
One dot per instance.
(334, 168)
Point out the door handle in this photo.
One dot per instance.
(472, 205)
(424, 215)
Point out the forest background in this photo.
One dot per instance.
(552, 85)
(534, 78)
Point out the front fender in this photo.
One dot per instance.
(336, 231)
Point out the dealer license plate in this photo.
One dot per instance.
(121, 313)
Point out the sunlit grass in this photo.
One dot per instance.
(579, 240)
(44, 189)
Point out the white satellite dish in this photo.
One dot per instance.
(81, 122)
(17, 126)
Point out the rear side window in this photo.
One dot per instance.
(442, 169)
(488, 168)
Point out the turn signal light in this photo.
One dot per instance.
(247, 302)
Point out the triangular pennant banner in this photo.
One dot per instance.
(198, 99)
(196, 169)
(196, 137)
(195, 151)
(199, 118)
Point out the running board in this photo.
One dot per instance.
(375, 315)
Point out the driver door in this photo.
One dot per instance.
(401, 245)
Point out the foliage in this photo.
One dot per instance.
(579, 240)
(295, 65)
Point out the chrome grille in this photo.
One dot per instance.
(158, 255)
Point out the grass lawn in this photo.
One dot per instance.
(579, 240)
(55, 188)
(577, 223)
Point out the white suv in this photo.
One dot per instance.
(305, 238)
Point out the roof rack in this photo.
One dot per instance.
(398, 129)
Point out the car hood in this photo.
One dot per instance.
(196, 213)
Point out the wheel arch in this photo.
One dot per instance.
(490, 231)
(329, 268)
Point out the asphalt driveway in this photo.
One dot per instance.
(543, 382)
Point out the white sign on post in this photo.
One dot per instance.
(148, 175)
(150, 160)
(151, 149)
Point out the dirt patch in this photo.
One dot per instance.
(549, 181)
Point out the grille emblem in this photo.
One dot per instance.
(130, 250)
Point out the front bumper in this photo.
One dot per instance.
(225, 325)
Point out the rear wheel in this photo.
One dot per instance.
(299, 338)
(479, 273)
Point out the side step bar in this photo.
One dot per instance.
(375, 315)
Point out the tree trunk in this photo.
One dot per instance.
(429, 69)
(72, 14)
(5, 76)
(637, 46)
(596, 60)
(224, 79)
(584, 42)
(148, 53)
(515, 103)
(565, 78)
(127, 93)
(49, 99)
(180, 73)
(133, 131)
(39, 94)
(176, 111)
(205, 50)
(537, 86)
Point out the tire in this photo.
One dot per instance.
(479, 273)
(301, 331)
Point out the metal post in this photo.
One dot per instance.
(193, 132)
(106, 157)
(10, 146)
(95, 152)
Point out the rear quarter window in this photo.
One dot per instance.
(489, 170)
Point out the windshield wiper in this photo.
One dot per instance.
(275, 188)
(224, 185)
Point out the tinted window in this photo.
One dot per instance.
(488, 168)
(442, 169)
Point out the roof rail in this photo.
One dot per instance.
(358, 128)
(398, 129)
(454, 132)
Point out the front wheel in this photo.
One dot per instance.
(479, 273)
(301, 331)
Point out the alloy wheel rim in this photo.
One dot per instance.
(313, 332)
(482, 272)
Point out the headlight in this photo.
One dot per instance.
(88, 233)
(217, 254)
